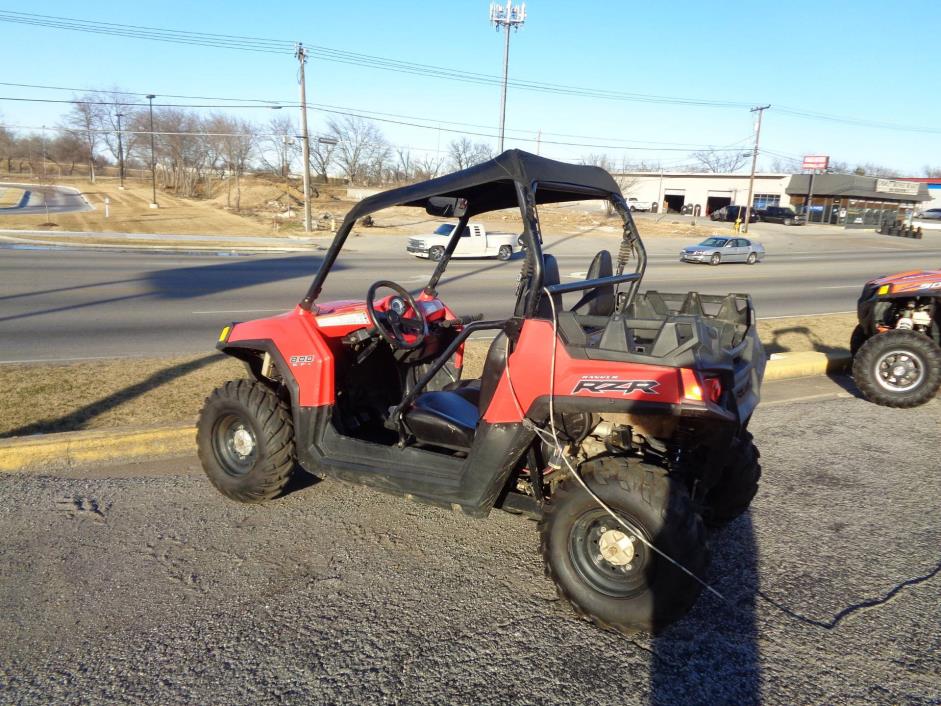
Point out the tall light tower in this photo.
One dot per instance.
(506, 17)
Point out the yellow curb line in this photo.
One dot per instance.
(49, 452)
(52, 452)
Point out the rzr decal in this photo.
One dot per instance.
(601, 385)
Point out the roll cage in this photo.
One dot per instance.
(514, 178)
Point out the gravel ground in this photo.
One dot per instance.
(139, 585)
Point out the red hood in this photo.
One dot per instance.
(909, 281)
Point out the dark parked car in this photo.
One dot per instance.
(733, 213)
(780, 214)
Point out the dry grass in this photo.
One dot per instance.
(269, 207)
(50, 397)
(10, 196)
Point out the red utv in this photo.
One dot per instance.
(896, 346)
(619, 418)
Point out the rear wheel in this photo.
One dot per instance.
(436, 253)
(715, 259)
(505, 252)
(898, 369)
(752, 258)
(245, 441)
(605, 569)
(732, 495)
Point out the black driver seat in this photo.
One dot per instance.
(448, 418)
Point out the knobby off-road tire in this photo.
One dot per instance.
(857, 339)
(245, 440)
(652, 593)
(732, 495)
(898, 369)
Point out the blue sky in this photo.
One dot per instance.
(863, 60)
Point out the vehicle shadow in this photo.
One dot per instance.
(79, 418)
(803, 334)
(207, 279)
(712, 655)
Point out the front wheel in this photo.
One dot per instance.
(505, 252)
(737, 486)
(898, 368)
(605, 569)
(245, 441)
(857, 339)
(436, 253)
(752, 258)
(715, 259)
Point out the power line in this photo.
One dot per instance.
(340, 56)
(348, 113)
(263, 102)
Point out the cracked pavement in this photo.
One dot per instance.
(141, 584)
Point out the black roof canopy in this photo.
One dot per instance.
(491, 186)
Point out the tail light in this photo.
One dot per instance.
(698, 387)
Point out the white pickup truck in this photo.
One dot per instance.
(636, 205)
(474, 242)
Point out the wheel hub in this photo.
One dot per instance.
(243, 442)
(616, 547)
(899, 371)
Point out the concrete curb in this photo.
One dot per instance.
(52, 452)
(63, 451)
(782, 366)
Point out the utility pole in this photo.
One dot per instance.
(506, 18)
(754, 162)
(120, 152)
(153, 153)
(301, 55)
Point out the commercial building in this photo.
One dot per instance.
(933, 184)
(838, 199)
(855, 201)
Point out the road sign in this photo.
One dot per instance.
(813, 162)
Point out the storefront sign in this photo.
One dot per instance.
(892, 186)
(814, 162)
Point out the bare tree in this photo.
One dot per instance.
(463, 153)
(84, 120)
(66, 148)
(231, 144)
(427, 166)
(932, 172)
(404, 167)
(876, 170)
(598, 160)
(278, 149)
(322, 157)
(720, 162)
(358, 143)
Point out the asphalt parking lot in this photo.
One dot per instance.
(141, 584)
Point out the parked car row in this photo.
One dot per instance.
(770, 214)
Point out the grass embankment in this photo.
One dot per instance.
(50, 397)
(10, 196)
(270, 207)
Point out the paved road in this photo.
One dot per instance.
(142, 585)
(47, 199)
(57, 304)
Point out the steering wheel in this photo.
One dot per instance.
(391, 324)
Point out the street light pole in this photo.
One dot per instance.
(153, 153)
(120, 152)
(506, 17)
(754, 162)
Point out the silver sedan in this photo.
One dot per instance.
(718, 249)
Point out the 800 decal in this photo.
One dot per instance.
(298, 360)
